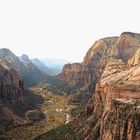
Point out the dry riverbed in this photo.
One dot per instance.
(57, 112)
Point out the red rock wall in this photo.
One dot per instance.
(11, 87)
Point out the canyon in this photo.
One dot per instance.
(106, 85)
(11, 92)
(113, 111)
(15, 100)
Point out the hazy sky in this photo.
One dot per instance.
(63, 28)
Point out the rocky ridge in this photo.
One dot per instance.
(33, 74)
(11, 87)
(85, 75)
(24, 67)
(15, 99)
(114, 110)
(11, 92)
(40, 65)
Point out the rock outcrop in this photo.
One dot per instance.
(11, 92)
(28, 72)
(15, 100)
(34, 115)
(135, 59)
(114, 110)
(72, 73)
(11, 87)
(90, 70)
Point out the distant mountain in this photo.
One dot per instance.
(55, 65)
(28, 72)
(25, 59)
(40, 65)
(34, 74)
(50, 66)
(6, 54)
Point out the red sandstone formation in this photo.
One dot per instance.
(112, 65)
(11, 87)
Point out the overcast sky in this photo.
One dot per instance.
(63, 28)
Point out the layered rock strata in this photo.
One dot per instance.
(114, 110)
(85, 75)
(11, 92)
(11, 87)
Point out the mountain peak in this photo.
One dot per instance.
(129, 33)
(5, 49)
(4, 52)
(25, 59)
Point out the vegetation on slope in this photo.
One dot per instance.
(64, 132)
(60, 87)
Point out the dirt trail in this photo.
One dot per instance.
(68, 118)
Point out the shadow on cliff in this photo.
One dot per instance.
(32, 101)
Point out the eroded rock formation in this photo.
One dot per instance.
(11, 92)
(114, 110)
(86, 74)
(11, 87)
(15, 100)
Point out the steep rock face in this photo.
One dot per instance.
(100, 49)
(73, 71)
(11, 92)
(93, 65)
(113, 67)
(135, 59)
(11, 87)
(15, 100)
(126, 46)
(33, 74)
(90, 69)
(114, 110)
(28, 72)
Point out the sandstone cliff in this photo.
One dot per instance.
(11, 87)
(11, 92)
(114, 110)
(15, 100)
(33, 74)
(84, 76)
